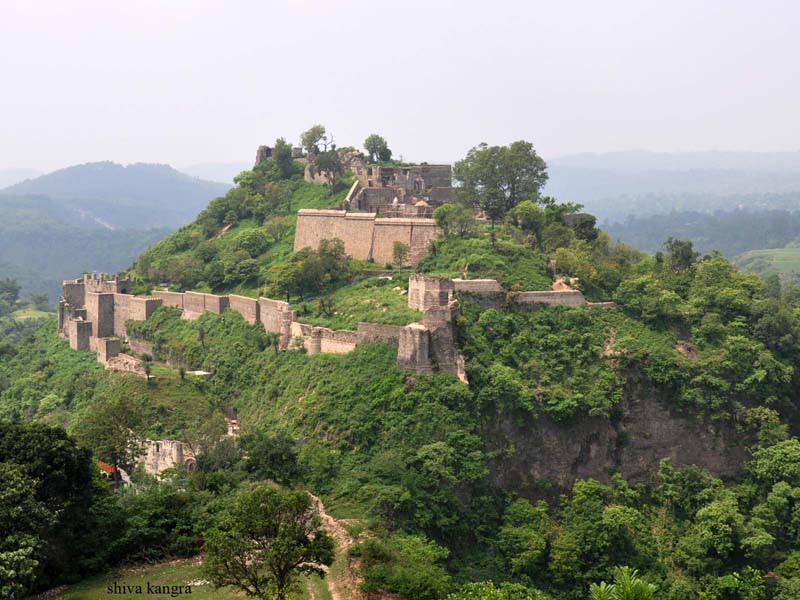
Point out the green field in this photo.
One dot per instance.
(31, 313)
(179, 573)
(783, 261)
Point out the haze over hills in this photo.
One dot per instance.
(11, 176)
(211, 171)
(618, 184)
(68, 220)
(126, 196)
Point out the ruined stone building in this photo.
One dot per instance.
(412, 191)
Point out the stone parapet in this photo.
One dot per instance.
(550, 298)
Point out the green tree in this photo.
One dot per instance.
(680, 254)
(265, 539)
(283, 159)
(497, 178)
(22, 519)
(329, 165)
(311, 139)
(271, 456)
(529, 217)
(627, 586)
(254, 242)
(377, 148)
(400, 252)
(486, 590)
(9, 290)
(109, 427)
(454, 219)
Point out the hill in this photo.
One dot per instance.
(222, 172)
(654, 433)
(12, 176)
(93, 216)
(42, 238)
(616, 185)
(137, 196)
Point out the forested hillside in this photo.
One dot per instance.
(138, 196)
(655, 435)
(97, 216)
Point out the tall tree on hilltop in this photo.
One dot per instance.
(328, 164)
(312, 138)
(497, 178)
(377, 148)
(282, 157)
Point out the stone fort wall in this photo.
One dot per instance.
(424, 347)
(365, 236)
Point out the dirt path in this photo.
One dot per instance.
(342, 579)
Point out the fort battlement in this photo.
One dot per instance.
(95, 320)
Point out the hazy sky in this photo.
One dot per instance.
(199, 81)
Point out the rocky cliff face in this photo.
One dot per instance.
(536, 457)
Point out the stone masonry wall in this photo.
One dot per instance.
(354, 229)
(425, 292)
(107, 348)
(365, 237)
(247, 307)
(132, 308)
(100, 311)
(337, 342)
(551, 298)
(173, 299)
(164, 454)
(78, 333)
(194, 304)
(377, 332)
(413, 352)
(277, 317)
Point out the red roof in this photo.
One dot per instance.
(105, 467)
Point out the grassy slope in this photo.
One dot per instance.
(783, 261)
(178, 573)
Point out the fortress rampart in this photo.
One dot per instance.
(92, 315)
(365, 236)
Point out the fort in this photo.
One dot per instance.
(93, 310)
(365, 236)
(384, 206)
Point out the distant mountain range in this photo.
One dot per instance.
(11, 176)
(117, 196)
(222, 172)
(96, 216)
(616, 185)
